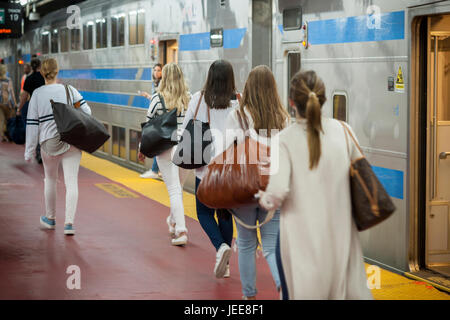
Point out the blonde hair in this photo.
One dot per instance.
(261, 99)
(49, 69)
(2, 71)
(308, 93)
(173, 88)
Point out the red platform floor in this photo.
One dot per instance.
(121, 246)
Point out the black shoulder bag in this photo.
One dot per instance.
(157, 133)
(78, 128)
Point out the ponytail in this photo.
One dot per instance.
(308, 93)
(314, 126)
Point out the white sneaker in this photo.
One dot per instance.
(180, 241)
(227, 272)
(222, 258)
(149, 175)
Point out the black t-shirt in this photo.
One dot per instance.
(33, 81)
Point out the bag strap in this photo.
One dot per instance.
(161, 99)
(68, 95)
(373, 198)
(269, 217)
(347, 130)
(198, 105)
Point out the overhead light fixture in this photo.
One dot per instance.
(34, 16)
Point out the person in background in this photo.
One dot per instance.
(41, 127)
(172, 93)
(7, 101)
(319, 241)
(32, 82)
(218, 95)
(153, 173)
(26, 73)
(262, 110)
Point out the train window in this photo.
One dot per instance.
(101, 33)
(216, 38)
(294, 65)
(64, 39)
(118, 30)
(135, 138)
(54, 41)
(105, 147)
(118, 142)
(75, 39)
(340, 106)
(292, 19)
(88, 35)
(45, 39)
(136, 26)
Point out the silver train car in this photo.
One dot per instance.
(384, 63)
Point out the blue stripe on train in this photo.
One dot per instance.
(105, 74)
(357, 29)
(392, 181)
(115, 98)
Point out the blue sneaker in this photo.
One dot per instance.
(69, 230)
(47, 223)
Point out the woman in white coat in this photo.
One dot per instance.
(320, 250)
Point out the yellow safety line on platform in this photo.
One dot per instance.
(392, 286)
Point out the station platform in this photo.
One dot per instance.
(122, 245)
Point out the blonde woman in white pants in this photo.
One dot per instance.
(41, 127)
(172, 93)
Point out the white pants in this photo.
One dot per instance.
(173, 177)
(70, 161)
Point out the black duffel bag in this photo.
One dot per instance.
(16, 129)
(194, 150)
(78, 128)
(158, 133)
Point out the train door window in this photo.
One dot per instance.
(106, 145)
(136, 27)
(75, 39)
(168, 51)
(54, 41)
(118, 138)
(292, 19)
(340, 106)
(118, 30)
(294, 65)
(135, 138)
(64, 39)
(45, 39)
(101, 33)
(88, 35)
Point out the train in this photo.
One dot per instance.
(384, 64)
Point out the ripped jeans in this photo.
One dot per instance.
(247, 242)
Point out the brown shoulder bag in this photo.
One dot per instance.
(371, 204)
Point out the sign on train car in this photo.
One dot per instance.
(10, 20)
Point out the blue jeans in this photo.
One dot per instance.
(218, 233)
(155, 168)
(284, 290)
(247, 242)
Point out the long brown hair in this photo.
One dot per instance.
(173, 88)
(220, 86)
(260, 98)
(308, 94)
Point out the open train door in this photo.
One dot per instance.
(430, 147)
